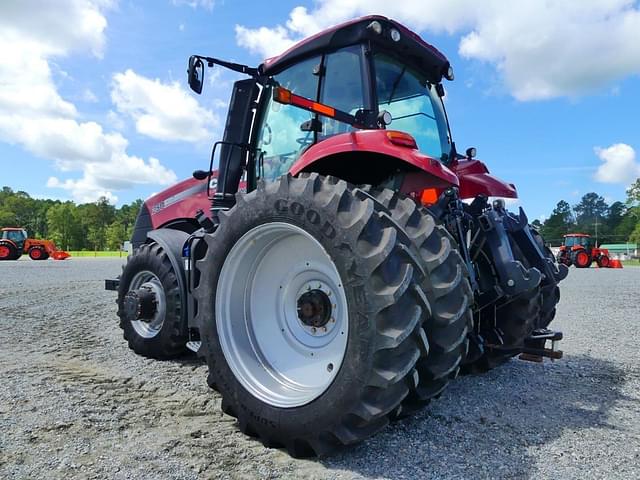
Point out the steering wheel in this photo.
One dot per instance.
(267, 128)
(304, 141)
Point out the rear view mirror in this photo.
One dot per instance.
(196, 73)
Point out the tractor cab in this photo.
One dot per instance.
(361, 101)
(578, 240)
(16, 235)
(367, 85)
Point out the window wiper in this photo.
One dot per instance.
(395, 84)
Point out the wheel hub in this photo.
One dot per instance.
(314, 308)
(140, 304)
(145, 304)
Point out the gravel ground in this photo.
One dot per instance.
(76, 403)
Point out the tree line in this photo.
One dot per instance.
(615, 223)
(102, 226)
(90, 226)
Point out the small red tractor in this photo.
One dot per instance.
(15, 242)
(579, 249)
(328, 270)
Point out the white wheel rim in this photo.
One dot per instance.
(276, 356)
(148, 280)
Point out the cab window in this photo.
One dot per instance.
(342, 87)
(281, 139)
(413, 104)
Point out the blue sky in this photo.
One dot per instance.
(93, 95)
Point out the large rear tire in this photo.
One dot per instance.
(447, 288)
(507, 326)
(550, 292)
(581, 259)
(162, 334)
(295, 255)
(8, 251)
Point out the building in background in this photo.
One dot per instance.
(622, 251)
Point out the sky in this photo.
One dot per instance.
(94, 100)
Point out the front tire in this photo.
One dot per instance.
(603, 261)
(310, 392)
(163, 335)
(38, 253)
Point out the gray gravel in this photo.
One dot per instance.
(76, 403)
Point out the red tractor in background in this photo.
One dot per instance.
(15, 242)
(579, 249)
(328, 271)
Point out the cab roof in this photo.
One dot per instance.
(413, 49)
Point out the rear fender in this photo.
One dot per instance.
(369, 157)
(475, 180)
(172, 241)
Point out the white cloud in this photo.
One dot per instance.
(620, 165)
(100, 179)
(541, 49)
(264, 41)
(35, 116)
(162, 111)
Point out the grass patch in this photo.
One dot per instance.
(104, 253)
(630, 263)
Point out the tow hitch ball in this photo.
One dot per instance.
(535, 346)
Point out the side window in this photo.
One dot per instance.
(281, 139)
(342, 87)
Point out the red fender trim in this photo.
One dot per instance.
(475, 179)
(373, 141)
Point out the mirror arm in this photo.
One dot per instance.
(236, 67)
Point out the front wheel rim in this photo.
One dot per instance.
(281, 315)
(151, 327)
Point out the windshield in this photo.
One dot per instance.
(414, 105)
(573, 241)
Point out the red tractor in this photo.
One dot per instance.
(14, 242)
(579, 249)
(328, 271)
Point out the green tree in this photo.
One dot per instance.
(635, 235)
(558, 224)
(631, 223)
(96, 217)
(591, 214)
(64, 225)
(116, 235)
